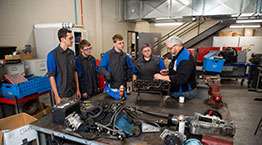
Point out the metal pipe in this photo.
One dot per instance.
(82, 19)
(75, 13)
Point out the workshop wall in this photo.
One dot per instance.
(100, 19)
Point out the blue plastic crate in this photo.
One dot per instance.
(213, 65)
(43, 84)
(38, 85)
(114, 94)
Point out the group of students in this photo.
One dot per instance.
(78, 77)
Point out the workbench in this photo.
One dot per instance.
(239, 72)
(147, 102)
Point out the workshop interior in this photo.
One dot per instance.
(133, 72)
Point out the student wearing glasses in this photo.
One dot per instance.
(182, 70)
(115, 65)
(147, 65)
(62, 70)
(87, 71)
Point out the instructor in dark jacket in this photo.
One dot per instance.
(87, 71)
(182, 70)
(116, 66)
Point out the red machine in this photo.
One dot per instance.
(216, 139)
(202, 51)
(216, 100)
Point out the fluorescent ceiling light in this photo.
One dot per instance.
(163, 18)
(244, 26)
(246, 14)
(249, 21)
(234, 15)
(169, 24)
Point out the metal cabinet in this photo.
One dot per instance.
(46, 39)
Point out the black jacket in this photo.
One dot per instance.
(88, 77)
(116, 68)
(182, 72)
(145, 70)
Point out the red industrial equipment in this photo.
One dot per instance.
(214, 92)
(216, 139)
(202, 51)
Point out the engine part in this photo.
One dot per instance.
(200, 124)
(62, 110)
(114, 132)
(110, 118)
(73, 121)
(213, 113)
(172, 140)
(153, 127)
(168, 132)
(215, 138)
(152, 85)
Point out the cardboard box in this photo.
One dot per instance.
(19, 56)
(249, 32)
(26, 56)
(12, 57)
(16, 129)
(235, 34)
(44, 111)
(222, 34)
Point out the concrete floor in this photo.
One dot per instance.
(245, 112)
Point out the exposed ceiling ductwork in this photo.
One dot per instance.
(190, 10)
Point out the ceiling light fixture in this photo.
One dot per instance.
(245, 26)
(249, 21)
(169, 24)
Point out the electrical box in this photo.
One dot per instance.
(36, 67)
(15, 68)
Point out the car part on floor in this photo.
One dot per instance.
(200, 124)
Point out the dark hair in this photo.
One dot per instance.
(84, 43)
(145, 45)
(62, 33)
(117, 37)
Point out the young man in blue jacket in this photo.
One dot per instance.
(62, 70)
(87, 71)
(116, 66)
